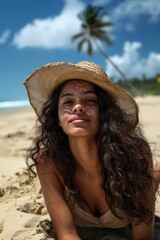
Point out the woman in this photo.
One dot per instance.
(93, 163)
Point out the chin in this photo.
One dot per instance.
(81, 133)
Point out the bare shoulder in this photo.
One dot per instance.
(46, 165)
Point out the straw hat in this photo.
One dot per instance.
(42, 82)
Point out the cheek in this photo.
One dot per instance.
(94, 112)
(62, 118)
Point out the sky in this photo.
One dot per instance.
(33, 33)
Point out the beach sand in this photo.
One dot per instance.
(22, 205)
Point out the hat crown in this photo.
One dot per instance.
(92, 67)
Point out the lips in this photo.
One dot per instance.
(79, 119)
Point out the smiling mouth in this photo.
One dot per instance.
(79, 120)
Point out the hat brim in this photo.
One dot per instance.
(44, 80)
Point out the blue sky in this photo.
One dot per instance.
(33, 33)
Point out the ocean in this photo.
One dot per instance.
(13, 104)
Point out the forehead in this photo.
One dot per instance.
(77, 85)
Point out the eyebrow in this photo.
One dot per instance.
(71, 94)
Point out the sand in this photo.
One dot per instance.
(21, 204)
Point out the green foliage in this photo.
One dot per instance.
(144, 87)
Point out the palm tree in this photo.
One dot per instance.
(93, 30)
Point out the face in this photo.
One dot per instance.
(78, 109)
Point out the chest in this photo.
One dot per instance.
(94, 199)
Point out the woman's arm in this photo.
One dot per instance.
(57, 206)
(143, 231)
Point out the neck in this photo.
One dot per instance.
(86, 155)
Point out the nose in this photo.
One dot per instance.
(78, 108)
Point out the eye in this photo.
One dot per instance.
(67, 102)
(91, 101)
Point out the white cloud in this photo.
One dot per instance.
(133, 9)
(4, 37)
(132, 64)
(52, 32)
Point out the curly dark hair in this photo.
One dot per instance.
(124, 156)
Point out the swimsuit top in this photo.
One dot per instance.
(85, 219)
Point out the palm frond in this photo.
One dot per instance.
(86, 41)
(101, 24)
(90, 48)
(103, 31)
(80, 44)
(103, 38)
(78, 35)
